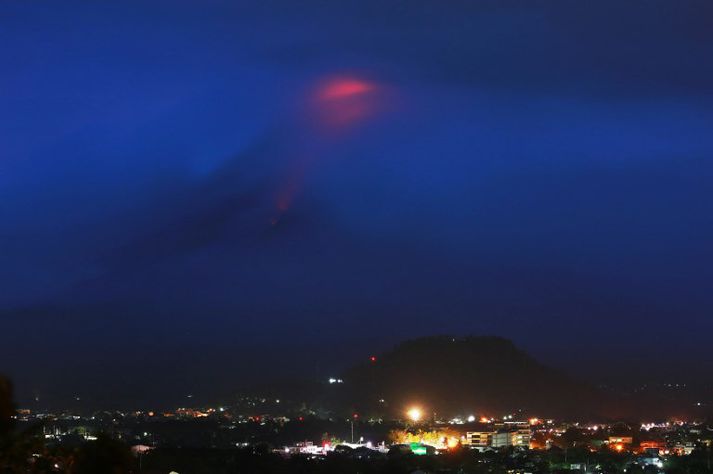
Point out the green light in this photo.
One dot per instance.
(418, 449)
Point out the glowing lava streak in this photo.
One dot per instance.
(344, 88)
(343, 102)
(335, 106)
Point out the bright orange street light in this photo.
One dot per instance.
(414, 414)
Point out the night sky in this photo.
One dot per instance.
(196, 194)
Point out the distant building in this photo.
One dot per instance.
(621, 440)
(652, 447)
(500, 436)
(501, 439)
(520, 433)
(479, 439)
(521, 438)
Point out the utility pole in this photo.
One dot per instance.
(355, 416)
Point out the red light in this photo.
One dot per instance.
(372, 358)
(355, 415)
(345, 102)
(344, 88)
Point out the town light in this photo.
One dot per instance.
(414, 414)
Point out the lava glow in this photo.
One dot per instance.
(344, 88)
(341, 103)
(336, 106)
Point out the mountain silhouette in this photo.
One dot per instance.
(449, 376)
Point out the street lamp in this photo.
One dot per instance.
(415, 414)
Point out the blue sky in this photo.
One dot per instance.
(174, 175)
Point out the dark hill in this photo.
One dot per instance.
(472, 375)
(482, 375)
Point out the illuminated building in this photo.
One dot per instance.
(499, 436)
(501, 439)
(478, 439)
(520, 432)
(652, 447)
(621, 440)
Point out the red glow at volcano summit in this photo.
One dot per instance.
(345, 101)
(344, 88)
(336, 106)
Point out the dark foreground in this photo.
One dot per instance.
(106, 455)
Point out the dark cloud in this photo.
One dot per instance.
(557, 48)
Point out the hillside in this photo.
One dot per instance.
(449, 376)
